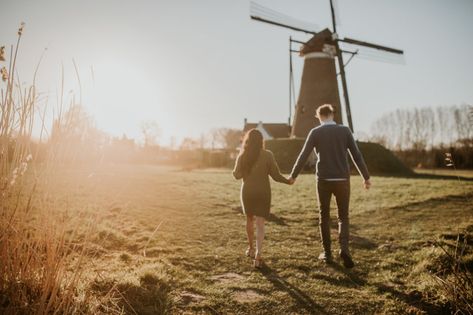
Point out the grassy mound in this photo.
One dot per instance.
(380, 160)
(285, 151)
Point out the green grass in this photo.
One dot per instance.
(194, 262)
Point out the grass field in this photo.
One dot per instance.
(173, 241)
(446, 172)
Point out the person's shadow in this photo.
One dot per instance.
(352, 278)
(301, 298)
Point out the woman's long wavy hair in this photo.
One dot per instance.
(252, 146)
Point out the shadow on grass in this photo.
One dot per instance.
(270, 218)
(356, 241)
(301, 298)
(415, 300)
(275, 219)
(360, 242)
(149, 297)
(353, 279)
(432, 202)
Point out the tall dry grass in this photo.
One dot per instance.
(455, 277)
(454, 273)
(41, 256)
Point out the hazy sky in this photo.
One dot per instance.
(196, 65)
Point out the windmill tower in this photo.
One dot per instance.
(319, 83)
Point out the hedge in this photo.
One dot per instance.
(380, 161)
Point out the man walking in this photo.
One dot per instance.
(332, 142)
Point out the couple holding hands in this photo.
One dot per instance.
(331, 143)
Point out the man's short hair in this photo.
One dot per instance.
(325, 110)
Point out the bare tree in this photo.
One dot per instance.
(225, 138)
(204, 140)
(420, 135)
(379, 133)
(429, 129)
(151, 132)
(172, 142)
(189, 144)
(232, 138)
(423, 128)
(462, 123)
(441, 123)
(401, 123)
(217, 138)
(75, 136)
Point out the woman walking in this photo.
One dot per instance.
(253, 165)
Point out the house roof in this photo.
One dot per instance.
(275, 130)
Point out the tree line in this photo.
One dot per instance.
(422, 136)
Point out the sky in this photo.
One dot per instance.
(196, 65)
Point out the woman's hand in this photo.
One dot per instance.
(291, 180)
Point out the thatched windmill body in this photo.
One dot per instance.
(319, 83)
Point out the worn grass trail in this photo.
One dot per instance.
(194, 262)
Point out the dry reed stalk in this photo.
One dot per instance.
(151, 237)
(37, 242)
(456, 280)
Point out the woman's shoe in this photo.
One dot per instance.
(258, 262)
(250, 252)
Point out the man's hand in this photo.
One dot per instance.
(367, 184)
(291, 180)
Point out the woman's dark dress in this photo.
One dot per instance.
(255, 189)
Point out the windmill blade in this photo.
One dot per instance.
(338, 20)
(371, 45)
(382, 57)
(368, 53)
(261, 13)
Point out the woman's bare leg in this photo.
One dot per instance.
(250, 220)
(259, 236)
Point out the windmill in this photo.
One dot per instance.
(319, 83)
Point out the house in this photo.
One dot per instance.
(269, 130)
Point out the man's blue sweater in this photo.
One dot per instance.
(332, 143)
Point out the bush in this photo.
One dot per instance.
(435, 158)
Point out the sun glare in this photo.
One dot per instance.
(123, 96)
(146, 162)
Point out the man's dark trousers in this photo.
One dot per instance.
(341, 190)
